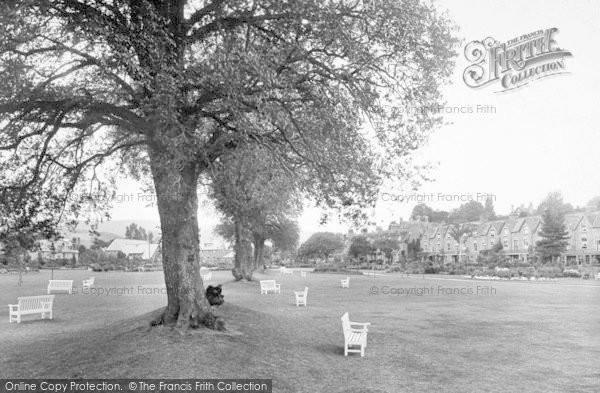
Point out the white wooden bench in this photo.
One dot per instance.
(301, 297)
(598, 276)
(302, 273)
(207, 276)
(285, 270)
(87, 284)
(346, 282)
(355, 335)
(31, 305)
(267, 286)
(60, 285)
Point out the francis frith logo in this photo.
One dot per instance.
(514, 63)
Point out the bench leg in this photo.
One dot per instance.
(362, 350)
(345, 349)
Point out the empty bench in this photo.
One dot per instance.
(60, 285)
(355, 335)
(267, 286)
(285, 270)
(31, 305)
(346, 282)
(301, 297)
(87, 284)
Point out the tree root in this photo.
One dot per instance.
(208, 320)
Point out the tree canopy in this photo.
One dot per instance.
(322, 245)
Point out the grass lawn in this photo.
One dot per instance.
(518, 337)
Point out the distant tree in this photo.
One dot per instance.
(594, 202)
(439, 216)
(360, 247)
(98, 243)
(413, 248)
(467, 212)
(498, 247)
(488, 208)
(322, 245)
(553, 234)
(421, 210)
(81, 249)
(459, 232)
(554, 201)
(133, 231)
(386, 242)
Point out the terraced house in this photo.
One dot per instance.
(518, 237)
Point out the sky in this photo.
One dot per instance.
(514, 146)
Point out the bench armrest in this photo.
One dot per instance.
(13, 306)
(363, 324)
(46, 304)
(277, 286)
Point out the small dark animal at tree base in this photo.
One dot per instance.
(213, 294)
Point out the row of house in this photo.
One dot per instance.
(57, 250)
(150, 253)
(517, 235)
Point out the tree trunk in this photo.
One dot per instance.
(259, 252)
(177, 200)
(20, 261)
(243, 268)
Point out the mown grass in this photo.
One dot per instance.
(525, 336)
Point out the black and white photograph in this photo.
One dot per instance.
(299, 196)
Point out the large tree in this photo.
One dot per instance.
(554, 237)
(467, 212)
(258, 198)
(386, 242)
(422, 210)
(360, 247)
(164, 88)
(322, 245)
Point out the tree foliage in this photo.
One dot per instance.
(360, 247)
(467, 212)
(553, 234)
(322, 245)
(258, 198)
(132, 231)
(422, 210)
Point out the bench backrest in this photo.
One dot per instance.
(60, 283)
(305, 291)
(346, 280)
(34, 302)
(346, 324)
(268, 284)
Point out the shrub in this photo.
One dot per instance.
(571, 273)
(395, 269)
(331, 268)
